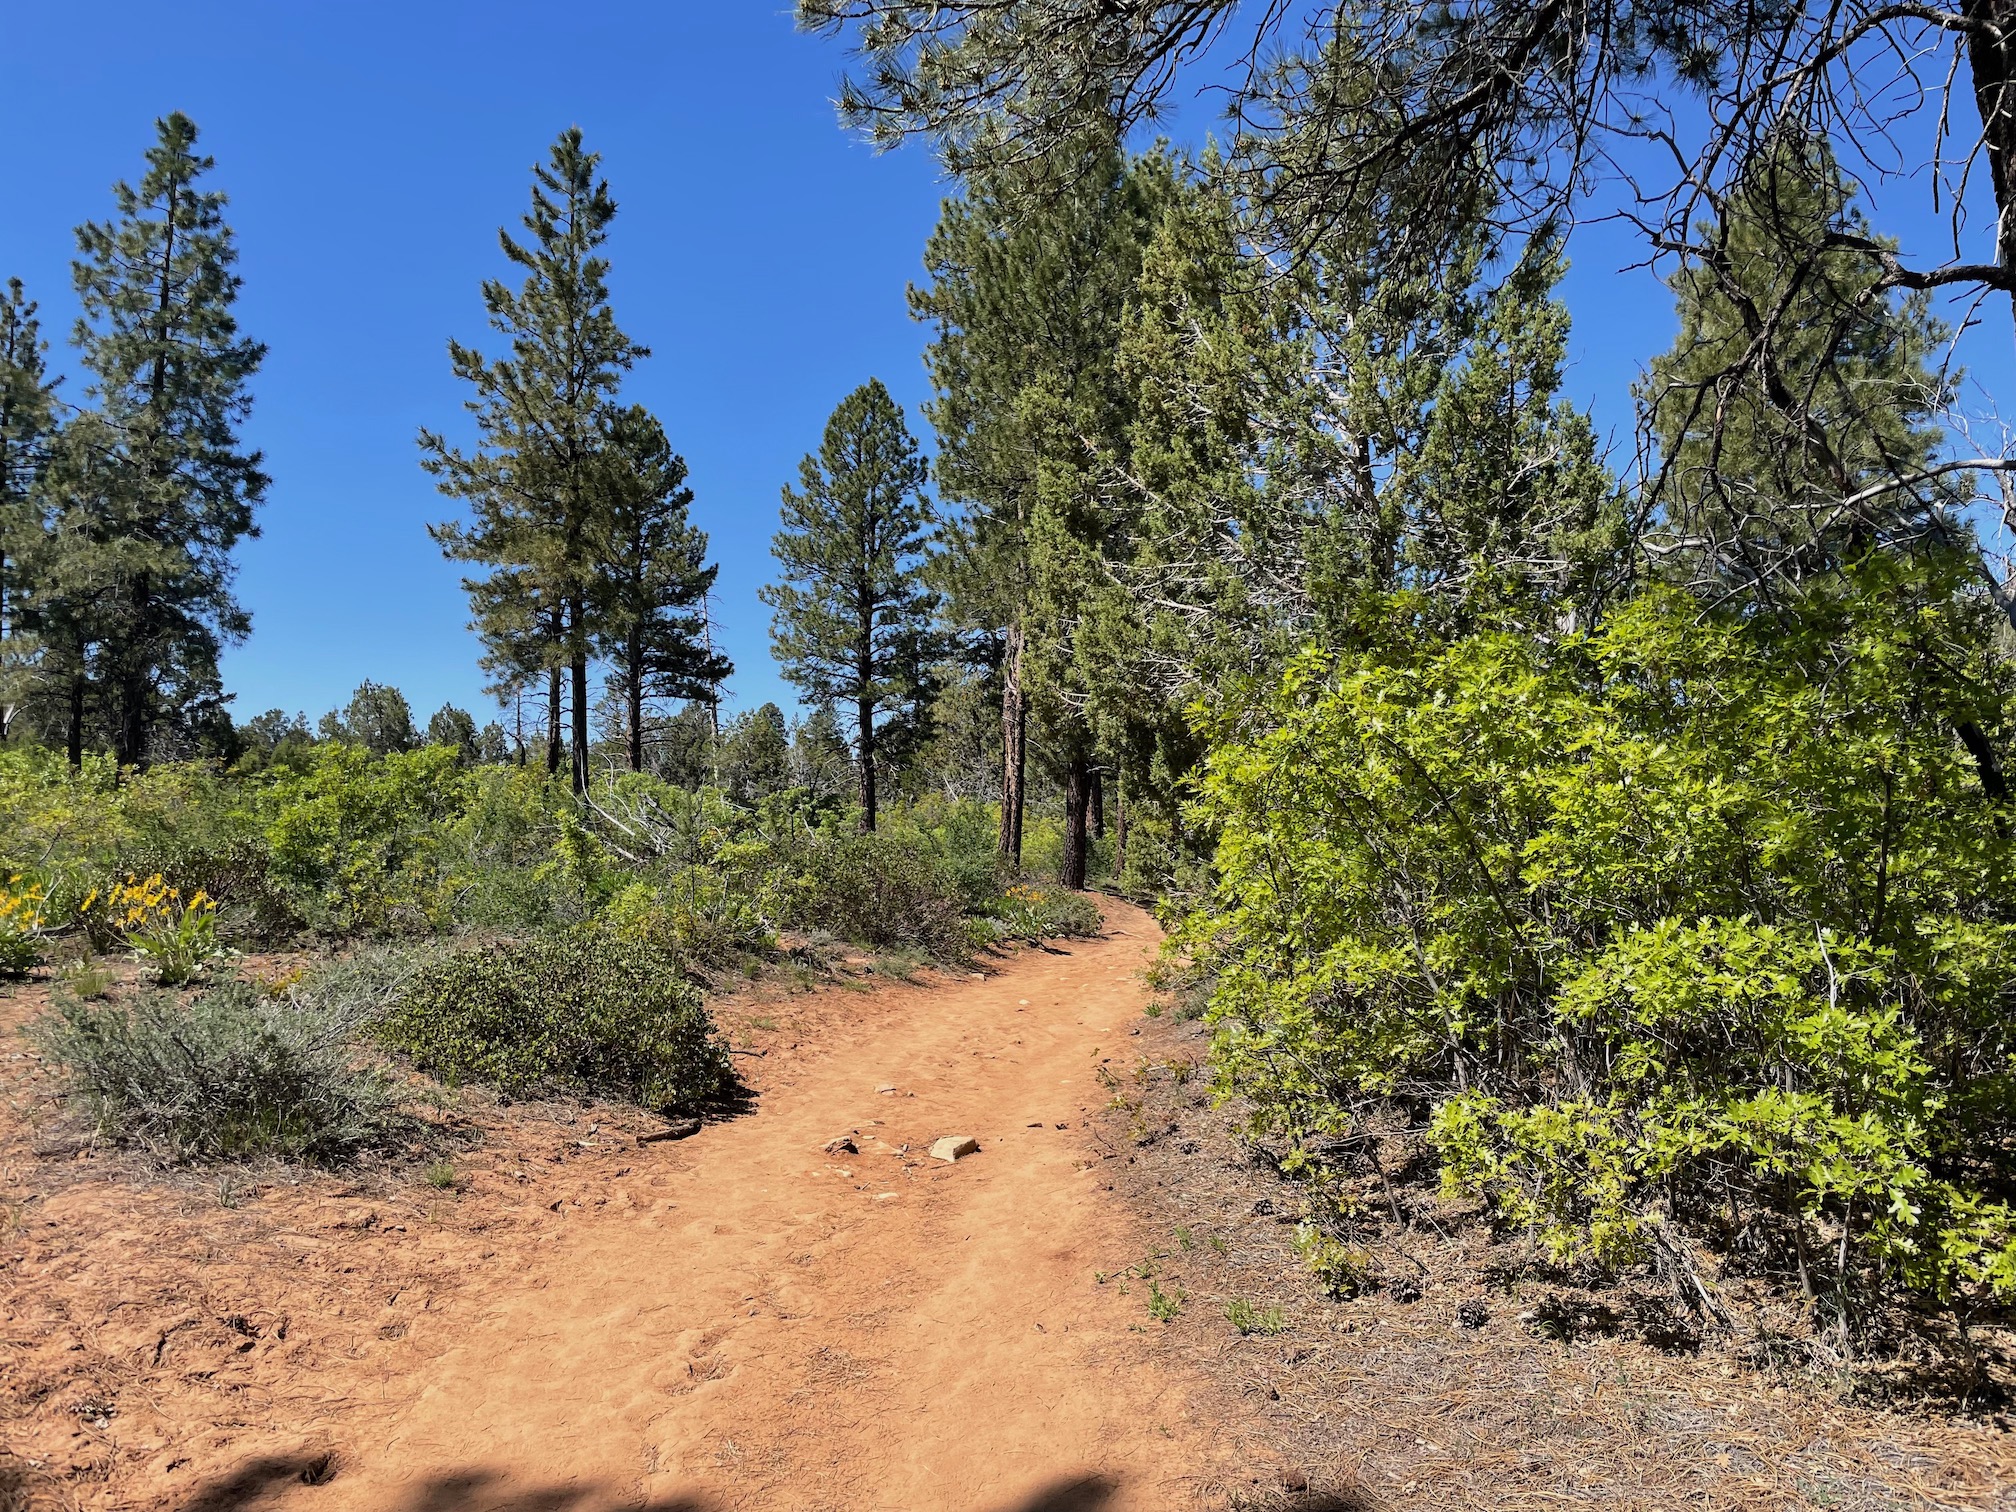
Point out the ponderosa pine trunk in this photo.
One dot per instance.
(578, 721)
(553, 734)
(75, 733)
(865, 712)
(1077, 807)
(1014, 750)
(633, 689)
(1119, 825)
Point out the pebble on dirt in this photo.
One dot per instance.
(953, 1147)
(842, 1146)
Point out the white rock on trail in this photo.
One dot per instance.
(953, 1147)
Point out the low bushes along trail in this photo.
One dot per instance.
(739, 1320)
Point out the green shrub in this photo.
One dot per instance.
(698, 919)
(1046, 913)
(234, 1073)
(233, 870)
(878, 891)
(584, 1011)
(497, 856)
(355, 839)
(1680, 921)
(1248, 1319)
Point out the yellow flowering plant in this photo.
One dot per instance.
(178, 935)
(22, 914)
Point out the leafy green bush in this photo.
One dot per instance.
(878, 891)
(1046, 913)
(356, 837)
(496, 857)
(1676, 922)
(234, 1073)
(698, 918)
(584, 1010)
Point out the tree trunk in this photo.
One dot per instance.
(579, 721)
(865, 712)
(6, 710)
(1014, 750)
(76, 731)
(1119, 825)
(1991, 58)
(634, 680)
(1077, 804)
(552, 720)
(1098, 804)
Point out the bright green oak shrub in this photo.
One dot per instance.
(582, 1011)
(356, 838)
(233, 1073)
(1659, 927)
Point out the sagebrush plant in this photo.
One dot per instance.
(1681, 920)
(178, 935)
(23, 916)
(581, 1010)
(231, 1074)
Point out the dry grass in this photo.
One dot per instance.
(1594, 1395)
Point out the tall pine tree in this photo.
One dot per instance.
(532, 482)
(652, 576)
(1783, 457)
(27, 435)
(156, 486)
(853, 549)
(1032, 273)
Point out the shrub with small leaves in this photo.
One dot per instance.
(583, 1011)
(231, 1074)
(878, 891)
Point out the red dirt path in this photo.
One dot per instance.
(735, 1321)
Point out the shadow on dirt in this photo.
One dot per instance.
(266, 1482)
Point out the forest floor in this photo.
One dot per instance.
(580, 1322)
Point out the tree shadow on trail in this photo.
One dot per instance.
(262, 1482)
(268, 1481)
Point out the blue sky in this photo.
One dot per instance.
(371, 152)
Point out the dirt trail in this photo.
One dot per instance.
(743, 1321)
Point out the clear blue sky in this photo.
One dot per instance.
(371, 151)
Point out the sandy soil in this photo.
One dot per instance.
(738, 1320)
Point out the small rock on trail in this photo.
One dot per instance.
(955, 1147)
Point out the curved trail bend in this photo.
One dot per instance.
(779, 1328)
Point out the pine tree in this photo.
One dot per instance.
(1032, 273)
(652, 576)
(455, 728)
(1782, 458)
(852, 548)
(531, 484)
(377, 717)
(156, 489)
(28, 428)
(756, 754)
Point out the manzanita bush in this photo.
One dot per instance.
(1687, 922)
